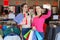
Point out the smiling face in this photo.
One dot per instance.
(38, 10)
(25, 8)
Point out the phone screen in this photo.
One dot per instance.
(46, 6)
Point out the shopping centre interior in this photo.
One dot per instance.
(51, 26)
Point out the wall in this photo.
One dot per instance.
(32, 2)
(29, 2)
(1, 2)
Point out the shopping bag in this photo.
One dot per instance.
(39, 37)
(19, 18)
(26, 35)
(34, 36)
(31, 35)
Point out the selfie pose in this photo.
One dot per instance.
(39, 19)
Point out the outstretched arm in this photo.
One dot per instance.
(47, 15)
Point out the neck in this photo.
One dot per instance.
(39, 15)
(24, 12)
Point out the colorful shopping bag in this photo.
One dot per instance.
(26, 35)
(19, 18)
(31, 35)
(39, 37)
(34, 36)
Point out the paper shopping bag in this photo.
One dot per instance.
(26, 35)
(31, 35)
(34, 36)
(39, 37)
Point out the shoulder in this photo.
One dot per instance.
(34, 18)
(19, 15)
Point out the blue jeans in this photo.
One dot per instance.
(24, 31)
(42, 34)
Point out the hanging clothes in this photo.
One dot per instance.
(10, 30)
(14, 37)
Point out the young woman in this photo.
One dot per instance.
(39, 20)
(23, 19)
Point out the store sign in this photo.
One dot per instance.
(17, 2)
(36, 3)
(6, 2)
(55, 3)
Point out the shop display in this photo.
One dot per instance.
(17, 9)
(57, 36)
(1, 9)
(12, 37)
(12, 26)
(5, 10)
(11, 16)
(55, 17)
(0, 26)
(4, 27)
(12, 8)
(1, 32)
(54, 10)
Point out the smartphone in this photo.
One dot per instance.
(46, 6)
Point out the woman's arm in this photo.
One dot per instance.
(47, 15)
(49, 11)
(33, 24)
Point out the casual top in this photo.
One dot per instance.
(21, 20)
(28, 25)
(38, 22)
(10, 30)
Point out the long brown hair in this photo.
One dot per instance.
(41, 8)
(21, 8)
(35, 8)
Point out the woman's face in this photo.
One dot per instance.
(38, 10)
(25, 8)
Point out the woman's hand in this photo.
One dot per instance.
(49, 6)
(34, 28)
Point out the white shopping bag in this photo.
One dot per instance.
(31, 35)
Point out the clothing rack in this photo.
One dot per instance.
(8, 22)
(54, 22)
